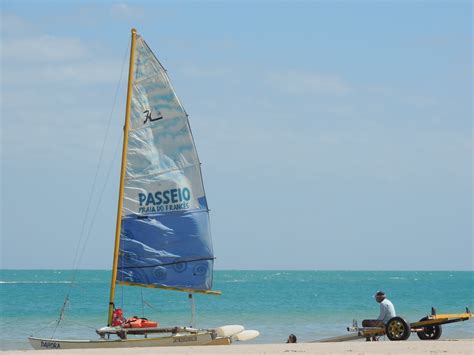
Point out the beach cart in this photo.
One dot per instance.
(397, 328)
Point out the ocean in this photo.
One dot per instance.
(310, 304)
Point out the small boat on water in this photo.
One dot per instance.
(162, 237)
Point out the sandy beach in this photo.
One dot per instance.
(362, 348)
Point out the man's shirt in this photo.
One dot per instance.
(387, 311)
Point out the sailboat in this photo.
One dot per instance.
(162, 237)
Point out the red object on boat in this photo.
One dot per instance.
(136, 322)
(117, 317)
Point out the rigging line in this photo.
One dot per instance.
(46, 326)
(81, 324)
(101, 155)
(149, 304)
(143, 304)
(122, 291)
(61, 315)
(122, 287)
(94, 215)
(155, 310)
(193, 311)
(76, 259)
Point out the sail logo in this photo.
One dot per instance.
(149, 114)
(161, 201)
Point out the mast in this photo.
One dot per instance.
(122, 176)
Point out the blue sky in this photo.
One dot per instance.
(332, 135)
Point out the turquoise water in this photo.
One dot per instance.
(310, 304)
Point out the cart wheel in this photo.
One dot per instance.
(429, 332)
(398, 328)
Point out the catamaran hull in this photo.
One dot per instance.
(175, 340)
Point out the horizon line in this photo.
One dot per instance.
(258, 270)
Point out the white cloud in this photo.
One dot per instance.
(74, 73)
(38, 59)
(43, 48)
(54, 89)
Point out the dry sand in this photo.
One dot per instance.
(440, 347)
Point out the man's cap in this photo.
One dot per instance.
(380, 293)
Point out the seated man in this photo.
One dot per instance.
(387, 311)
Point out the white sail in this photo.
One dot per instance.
(165, 236)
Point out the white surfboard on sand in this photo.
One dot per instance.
(246, 335)
(228, 330)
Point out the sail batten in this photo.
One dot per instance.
(187, 290)
(170, 263)
(157, 174)
(165, 239)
